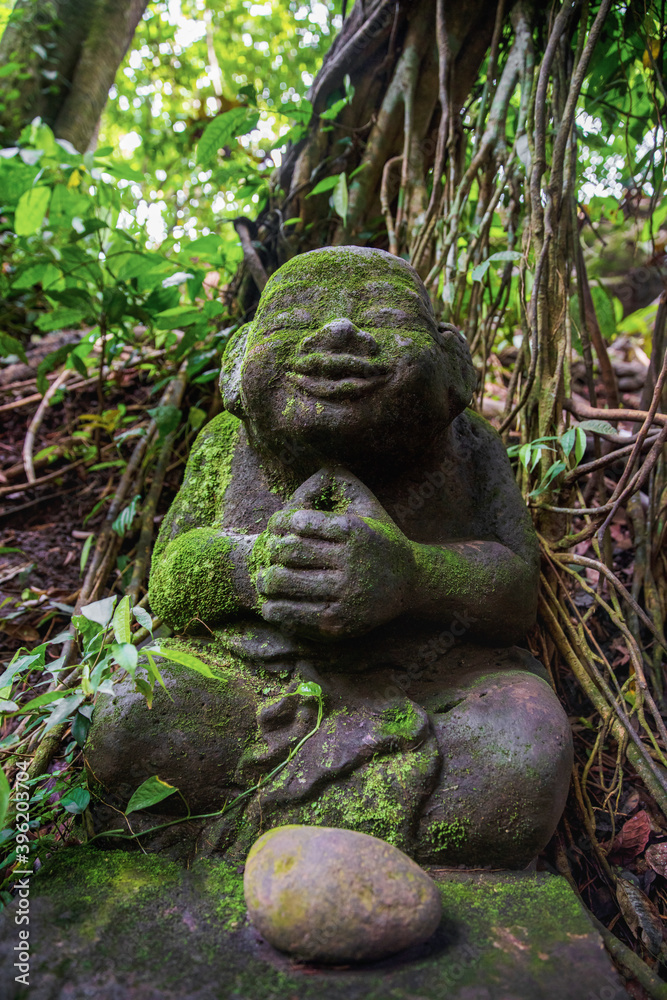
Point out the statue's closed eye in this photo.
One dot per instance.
(391, 318)
(294, 319)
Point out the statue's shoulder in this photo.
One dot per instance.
(217, 438)
(475, 431)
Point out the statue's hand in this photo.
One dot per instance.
(334, 572)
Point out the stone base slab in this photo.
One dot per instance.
(128, 926)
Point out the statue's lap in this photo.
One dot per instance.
(465, 761)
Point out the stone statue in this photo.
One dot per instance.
(347, 521)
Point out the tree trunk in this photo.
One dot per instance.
(64, 56)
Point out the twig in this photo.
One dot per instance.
(20, 487)
(35, 423)
(250, 255)
(147, 515)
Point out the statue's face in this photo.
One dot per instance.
(344, 356)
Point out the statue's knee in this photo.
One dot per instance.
(192, 736)
(507, 750)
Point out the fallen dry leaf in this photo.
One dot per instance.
(640, 913)
(633, 837)
(656, 857)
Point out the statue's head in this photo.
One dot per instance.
(345, 358)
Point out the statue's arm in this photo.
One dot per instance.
(492, 581)
(198, 569)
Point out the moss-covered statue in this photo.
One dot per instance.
(347, 521)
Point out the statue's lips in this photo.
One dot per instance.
(336, 376)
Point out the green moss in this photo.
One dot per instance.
(446, 835)
(399, 721)
(224, 886)
(191, 569)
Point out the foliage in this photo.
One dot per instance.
(190, 63)
(550, 266)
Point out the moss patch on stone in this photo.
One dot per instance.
(111, 921)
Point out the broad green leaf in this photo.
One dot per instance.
(502, 255)
(222, 131)
(196, 417)
(209, 247)
(62, 711)
(126, 656)
(340, 197)
(597, 426)
(149, 793)
(580, 447)
(42, 699)
(167, 418)
(11, 346)
(309, 689)
(184, 659)
(143, 618)
(31, 210)
(60, 319)
(76, 801)
(604, 310)
(567, 441)
(121, 621)
(173, 319)
(43, 273)
(324, 185)
(100, 611)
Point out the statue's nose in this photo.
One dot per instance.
(340, 336)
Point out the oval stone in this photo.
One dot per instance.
(330, 895)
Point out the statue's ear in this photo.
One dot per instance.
(230, 373)
(463, 377)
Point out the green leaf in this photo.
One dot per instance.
(167, 419)
(85, 552)
(100, 612)
(209, 247)
(184, 659)
(80, 726)
(173, 319)
(567, 441)
(60, 319)
(324, 185)
(4, 797)
(42, 699)
(309, 689)
(62, 711)
(43, 273)
(597, 426)
(123, 522)
(143, 618)
(126, 656)
(340, 197)
(149, 793)
(121, 621)
(604, 310)
(524, 454)
(196, 417)
(502, 255)
(334, 110)
(10, 345)
(581, 444)
(76, 801)
(222, 130)
(31, 209)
